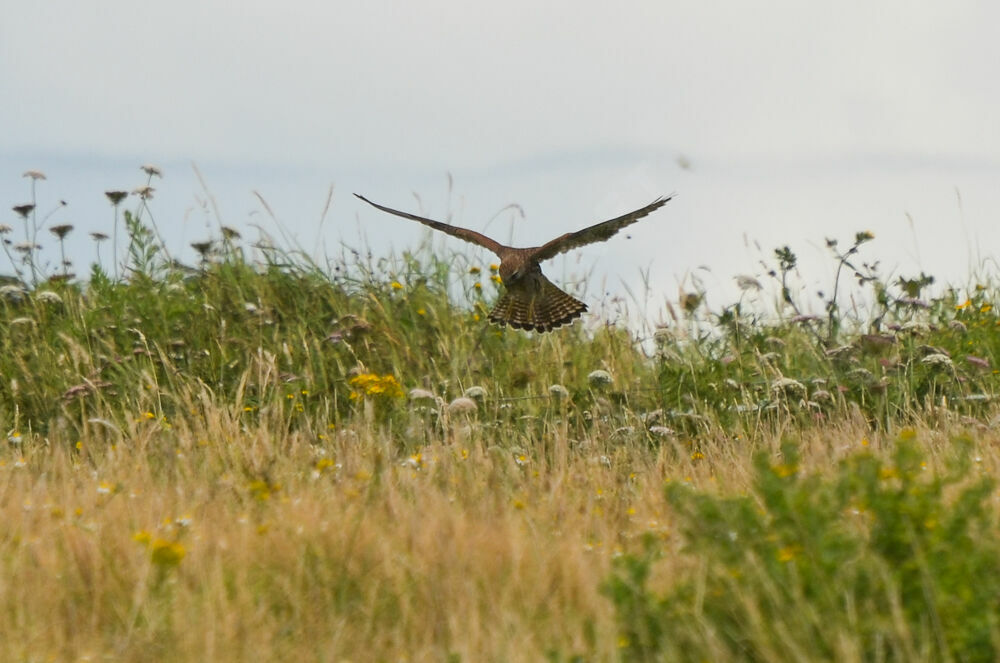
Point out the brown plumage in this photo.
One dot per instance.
(531, 301)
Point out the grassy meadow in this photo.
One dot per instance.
(259, 457)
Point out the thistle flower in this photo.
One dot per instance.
(116, 196)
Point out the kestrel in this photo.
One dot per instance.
(531, 301)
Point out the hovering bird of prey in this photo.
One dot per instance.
(531, 301)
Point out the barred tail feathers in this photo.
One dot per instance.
(541, 311)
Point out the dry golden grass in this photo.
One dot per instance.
(336, 547)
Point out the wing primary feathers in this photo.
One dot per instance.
(455, 231)
(596, 233)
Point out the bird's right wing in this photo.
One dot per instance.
(461, 233)
(596, 233)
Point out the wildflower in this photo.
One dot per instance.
(202, 248)
(477, 285)
(496, 279)
(98, 236)
(104, 488)
(787, 385)
(20, 462)
(11, 292)
(662, 335)
(370, 384)
(5, 229)
(789, 553)
(143, 537)
(34, 174)
(661, 431)
(461, 405)
(167, 553)
(985, 308)
(184, 521)
(822, 395)
(151, 170)
(48, 297)
(558, 391)
(937, 359)
(15, 438)
(784, 470)
(116, 196)
(697, 455)
(26, 247)
(474, 270)
(396, 285)
(977, 361)
(23, 210)
(418, 394)
(61, 230)
(476, 392)
(230, 233)
(599, 378)
(521, 459)
(421, 311)
(494, 267)
(964, 305)
(145, 191)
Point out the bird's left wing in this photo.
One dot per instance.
(461, 233)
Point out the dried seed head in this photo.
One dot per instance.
(151, 170)
(61, 230)
(116, 196)
(98, 236)
(23, 210)
(34, 174)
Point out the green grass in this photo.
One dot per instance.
(261, 458)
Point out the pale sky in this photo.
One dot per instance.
(800, 120)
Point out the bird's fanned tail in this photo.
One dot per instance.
(541, 311)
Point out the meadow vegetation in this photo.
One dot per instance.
(262, 457)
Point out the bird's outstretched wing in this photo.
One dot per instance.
(596, 233)
(461, 233)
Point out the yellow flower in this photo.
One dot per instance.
(496, 279)
(167, 553)
(788, 553)
(474, 270)
(985, 308)
(964, 305)
(494, 267)
(477, 285)
(370, 384)
(143, 537)
(396, 285)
